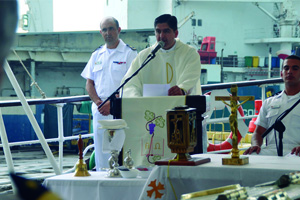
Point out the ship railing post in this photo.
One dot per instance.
(31, 117)
(6, 149)
(263, 92)
(61, 139)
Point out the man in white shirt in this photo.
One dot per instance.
(273, 107)
(104, 72)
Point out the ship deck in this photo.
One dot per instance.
(31, 162)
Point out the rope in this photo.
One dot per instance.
(33, 81)
(168, 175)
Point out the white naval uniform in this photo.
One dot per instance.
(270, 110)
(106, 68)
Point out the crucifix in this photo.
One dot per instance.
(234, 105)
(176, 138)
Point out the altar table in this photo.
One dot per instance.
(187, 179)
(95, 187)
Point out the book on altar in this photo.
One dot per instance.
(151, 90)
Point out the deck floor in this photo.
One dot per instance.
(32, 162)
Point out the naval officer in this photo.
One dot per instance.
(273, 107)
(103, 73)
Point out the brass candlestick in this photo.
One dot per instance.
(81, 168)
(235, 156)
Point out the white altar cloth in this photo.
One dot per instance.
(95, 187)
(187, 179)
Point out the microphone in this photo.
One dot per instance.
(282, 182)
(160, 44)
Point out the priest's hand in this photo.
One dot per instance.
(296, 151)
(253, 149)
(174, 91)
(105, 109)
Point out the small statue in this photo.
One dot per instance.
(128, 161)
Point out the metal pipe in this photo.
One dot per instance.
(181, 23)
(222, 67)
(270, 63)
(265, 11)
(31, 117)
(46, 101)
(240, 84)
(226, 119)
(6, 150)
(32, 72)
(48, 140)
(263, 93)
(60, 127)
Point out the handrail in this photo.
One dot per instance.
(241, 84)
(54, 100)
(70, 99)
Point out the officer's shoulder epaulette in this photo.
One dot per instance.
(131, 47)
(98, 48)
(277, 93)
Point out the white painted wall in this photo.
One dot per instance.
(48, 79)
(73, 15)
(40, 16)
(141, 13)
(117, 9)
(230, 22)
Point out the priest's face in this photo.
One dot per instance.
(164, 33)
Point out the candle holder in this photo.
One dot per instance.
(113, 140)
(113, 161)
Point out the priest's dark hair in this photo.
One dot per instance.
(167, 18)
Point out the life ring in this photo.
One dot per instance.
(227, 144)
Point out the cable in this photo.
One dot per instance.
(168, 175)
(33, 81)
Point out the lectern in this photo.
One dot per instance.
(137, 137)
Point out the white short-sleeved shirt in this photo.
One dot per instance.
(107, 68)
(269, 112)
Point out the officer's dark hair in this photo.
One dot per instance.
(167, 18)
(293, 57)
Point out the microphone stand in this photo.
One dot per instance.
(279, 126)
(112, 97)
